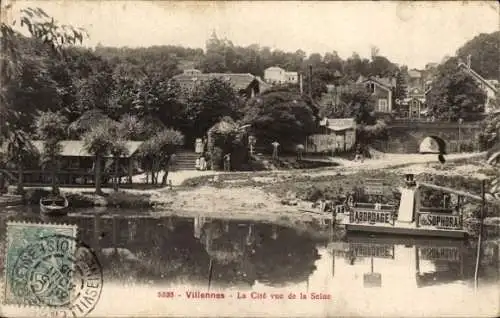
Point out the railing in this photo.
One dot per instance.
(372, 216)
(440, 220)
(372, 206)
(65, 177)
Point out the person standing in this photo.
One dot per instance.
(203, 164)
(198, 146)
(275, 150)
(227, 162)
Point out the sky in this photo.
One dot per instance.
(410, 33)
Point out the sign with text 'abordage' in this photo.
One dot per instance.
(440, 220)
(370, 216)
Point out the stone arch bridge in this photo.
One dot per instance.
(405, 137)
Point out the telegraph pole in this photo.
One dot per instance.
(310, 81)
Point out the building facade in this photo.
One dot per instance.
(490, 87)
(382, 91)
(245, 84)
(336, 135)
(276, 75)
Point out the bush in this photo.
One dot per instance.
(126, 200)
(217, 157)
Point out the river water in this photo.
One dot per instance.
(156, 265)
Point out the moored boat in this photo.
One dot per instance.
(410, 217)
(54, 205)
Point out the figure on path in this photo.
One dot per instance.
(275, 150)
(227, 162)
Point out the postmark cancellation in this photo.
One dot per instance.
(46, 266)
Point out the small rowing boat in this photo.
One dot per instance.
(54, 206)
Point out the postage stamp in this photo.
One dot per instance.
(46, 266)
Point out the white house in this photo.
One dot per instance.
(277, 75)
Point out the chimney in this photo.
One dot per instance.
(469, 58)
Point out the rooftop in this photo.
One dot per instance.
(75, 148)
(238, 80)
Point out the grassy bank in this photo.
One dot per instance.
(88, 199)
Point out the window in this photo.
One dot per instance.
(382, 105)
(370, 87)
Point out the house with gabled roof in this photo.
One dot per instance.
(382, 90)
(245, 84)
(489, 86)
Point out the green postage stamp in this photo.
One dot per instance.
(39, 264)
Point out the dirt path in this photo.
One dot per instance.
(255, 203)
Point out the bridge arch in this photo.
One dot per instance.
(432, 144)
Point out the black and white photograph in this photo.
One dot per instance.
(249, 158)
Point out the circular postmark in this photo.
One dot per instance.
(58, 272)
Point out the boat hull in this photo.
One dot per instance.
(54, 209)
(60, 211)
(413, 231)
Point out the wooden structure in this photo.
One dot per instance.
(410, 218)
(76, 165)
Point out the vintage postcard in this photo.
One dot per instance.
(249, 158)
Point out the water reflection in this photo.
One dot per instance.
(174, 249)
(429, 262)
(150, 250)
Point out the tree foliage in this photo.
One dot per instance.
(483, 50)
(156, 152)
(26, 81)
(490, 136)
(455, 94)
(283, 116)
(358, 104)
(209, 102)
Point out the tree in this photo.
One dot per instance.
(156, 152)
(355, 66)
(400, 91)
(99, 142)
(132, 128)
(21, 151)
(14, 60)
(86, 121)
(483, 50)
(208, 103)
(95, 90)
(281, 115)
(118, 148)
(455, 94)
(51, 127)
(490, 136)
(381, 66)
(359, 104)
(158, 96)
(320, 78)
(226, 137)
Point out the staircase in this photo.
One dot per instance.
(185, 160)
